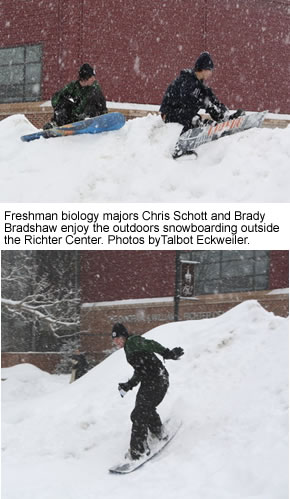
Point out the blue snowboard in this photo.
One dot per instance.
(99, 124)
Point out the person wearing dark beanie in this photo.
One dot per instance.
(80, 99)
(204, 61)
(150, 372)
(188, 93)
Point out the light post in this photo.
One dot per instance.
(184, 281)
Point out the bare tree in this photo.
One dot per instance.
(40, 289)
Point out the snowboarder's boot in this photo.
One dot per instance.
(161, 435)
(237, 114)
(49, 125)
(133, 454)
(179, 152)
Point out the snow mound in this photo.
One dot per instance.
(230, 389)
(25, 381)
(134, 164)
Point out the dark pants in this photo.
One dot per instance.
(63, 113)
(144, 416)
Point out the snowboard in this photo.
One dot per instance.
(99, 124)
(190, 140)
(155, 446)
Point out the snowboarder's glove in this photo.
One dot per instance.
(177, 352)
(173, 354)
(122, 392)
(69, 99)
(124, 388)
(196, 121)
(237, 114)
(72, 101)
(82, 117)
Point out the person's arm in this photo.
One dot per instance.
(66, 92)
(153, 346)
(134, 381)
(214, 107)
(97, 105)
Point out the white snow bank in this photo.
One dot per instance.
(134, 164)
(230, 389)
(25, 381)
(284, 291)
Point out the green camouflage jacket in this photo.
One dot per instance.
(86, 102)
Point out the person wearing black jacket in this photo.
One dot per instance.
(188, 93)
(150, 372)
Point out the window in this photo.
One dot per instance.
(229, 271)
(20, 73)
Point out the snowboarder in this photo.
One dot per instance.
(188, 93)
(80, 366)
(78, 100)
(154, 379)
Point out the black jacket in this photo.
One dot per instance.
(140, 353)
(185, 96)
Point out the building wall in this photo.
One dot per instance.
(142, 316)
(137, 288)
(45, 361)
(279, 269)
(122, 275)
(139, 47)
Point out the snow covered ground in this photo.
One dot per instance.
(134, 164)
(230, 389)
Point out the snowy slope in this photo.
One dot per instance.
(134, 164)
(230, 390)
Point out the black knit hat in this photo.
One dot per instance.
(119, 330)
(86, 71)
(204, 61)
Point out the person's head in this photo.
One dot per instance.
(119, 334)
(203, 66)
(87, 75)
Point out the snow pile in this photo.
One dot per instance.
(229, 389)
(134, 164)
(25, 381)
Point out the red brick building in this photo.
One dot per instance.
(137, 48)
(139, 288)
(145, 289)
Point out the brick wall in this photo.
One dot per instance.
(279, 269)
(97, 320)
(115, 275)
(45, 361)
(38, 113)
(139, 47)
(122, 275)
